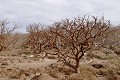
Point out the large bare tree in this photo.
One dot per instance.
(72, 38)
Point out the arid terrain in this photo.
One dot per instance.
(17, 64)
(85, 48)
(59, 39)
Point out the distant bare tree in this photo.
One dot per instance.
(5, 31)
(112, 38)
(37, 37)
(15, 40)
(72, 38)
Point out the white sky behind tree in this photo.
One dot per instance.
(46, 12)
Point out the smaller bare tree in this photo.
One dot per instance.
(37, 37)
(5, 31)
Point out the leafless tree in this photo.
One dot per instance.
(37, 37)
(72, 38)
(5, 31)
(112, 37)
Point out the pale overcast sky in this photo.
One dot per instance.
(48, 11)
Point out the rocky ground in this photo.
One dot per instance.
(101, 64)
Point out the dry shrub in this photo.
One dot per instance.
(111, 75)
(93, 56)
(59, 71)
(25, 51)
(112, 38)
(75, 76)
(37, 37)
(51, 57)
(88, 72)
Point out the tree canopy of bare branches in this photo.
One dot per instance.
(72, 38)
(37, 37)
(5, 31)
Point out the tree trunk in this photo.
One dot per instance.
(77, 67)
(78, 62)
(40, 48)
